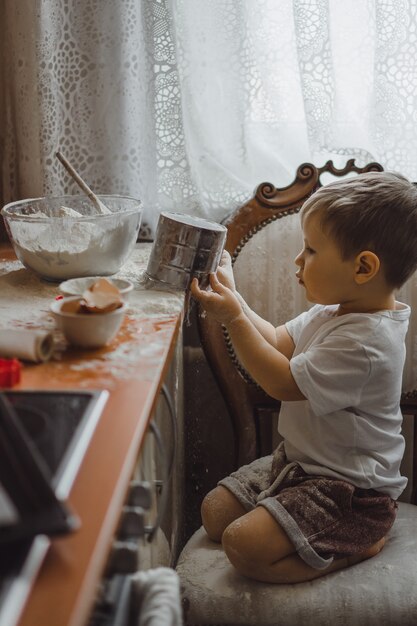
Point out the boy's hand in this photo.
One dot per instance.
(225, 271)
(220, 302)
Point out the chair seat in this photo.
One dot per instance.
(380, 591)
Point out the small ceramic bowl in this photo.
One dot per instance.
(77, 286)
(86, 330)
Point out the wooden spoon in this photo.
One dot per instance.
(101, 208)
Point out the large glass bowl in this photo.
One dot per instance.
(57, 244)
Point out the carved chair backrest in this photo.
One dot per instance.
(251, 410)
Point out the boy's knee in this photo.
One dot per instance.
(218, 509)
(238, 548)
(255, 541)
(210, 515)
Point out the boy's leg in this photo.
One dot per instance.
(259, 548)
(219, 509)
(221, 506)
(293, 569)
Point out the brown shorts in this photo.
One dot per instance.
(324, 517)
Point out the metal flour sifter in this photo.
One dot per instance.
(185, 247)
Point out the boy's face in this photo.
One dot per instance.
(326, 277)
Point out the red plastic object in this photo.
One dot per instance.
(9, 372)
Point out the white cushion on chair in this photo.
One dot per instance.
(381, 591)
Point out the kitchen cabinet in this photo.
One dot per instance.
(161, 464)
(144, 358)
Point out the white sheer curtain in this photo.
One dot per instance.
(190, 104)
(267, 85)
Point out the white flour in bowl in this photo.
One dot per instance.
(64, 248)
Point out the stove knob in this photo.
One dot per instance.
(140, 494)
(123, 558)
(132, 522)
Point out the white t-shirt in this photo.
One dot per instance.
(349, 368)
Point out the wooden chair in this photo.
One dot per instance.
(379, 591)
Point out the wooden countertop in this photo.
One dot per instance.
(132, 369)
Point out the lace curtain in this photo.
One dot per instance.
(190, 104)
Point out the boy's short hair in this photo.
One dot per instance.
(375, 211)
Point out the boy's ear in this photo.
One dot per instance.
(367, 266)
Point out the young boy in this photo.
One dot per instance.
(326, 498)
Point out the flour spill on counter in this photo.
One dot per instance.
(24, 298)
(31, 296)
(130, 358)
(137, 351)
